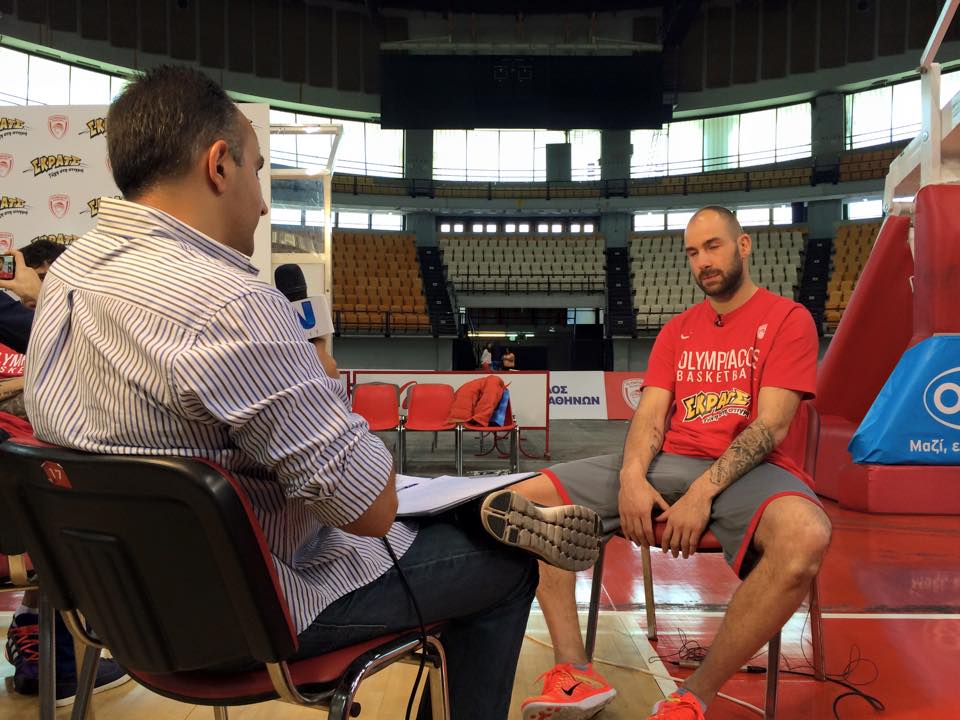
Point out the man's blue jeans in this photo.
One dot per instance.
(458, 574)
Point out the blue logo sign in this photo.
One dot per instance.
(306, 315)
(941, 398)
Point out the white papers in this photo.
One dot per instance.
(429, 496)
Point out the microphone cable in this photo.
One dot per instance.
(423, 626)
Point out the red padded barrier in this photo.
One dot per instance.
(874, 331)
(937, 272)
(885, 316)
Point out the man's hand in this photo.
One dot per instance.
(637, 500)
(26, 284)
(686, 521)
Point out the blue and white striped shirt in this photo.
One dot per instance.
(151, 338)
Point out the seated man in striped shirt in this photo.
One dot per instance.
(154, 336)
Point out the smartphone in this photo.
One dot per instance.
(8, 267)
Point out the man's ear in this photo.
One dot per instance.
(216, 159)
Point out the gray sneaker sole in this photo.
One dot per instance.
(567, 537)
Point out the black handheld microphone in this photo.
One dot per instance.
(718, 322)
(290, 281)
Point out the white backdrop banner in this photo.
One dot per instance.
(54, 170)
(577, 395)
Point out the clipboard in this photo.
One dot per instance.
(419, 496)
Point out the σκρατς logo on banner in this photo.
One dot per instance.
(54, 165)
(94, 127)
(10, 126)
(10, 205)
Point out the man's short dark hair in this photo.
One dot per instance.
(729, 219)
(42, 251)
(162, 120)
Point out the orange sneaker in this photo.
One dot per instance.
(569, 694)
(678, 707)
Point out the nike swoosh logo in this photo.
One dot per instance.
(569, 690)
(684, 337)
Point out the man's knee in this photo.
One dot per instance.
(794, 535)
(541, 489)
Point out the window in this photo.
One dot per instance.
(48, 82)
(556, 227)
(648, 221)
(491, 227)
(444, 227)
(117, 84)
(542, 227)
(517, 151)
(864, 209)
(574, 227)
(758, 138)
(89, 88)
(458, 227)
(483, 155)
(450, 154)
(794, 131)
(383, 154)
(13, 79)
(753, 216)
(354, 220)
(649, 152)
(588, 227)
(685, 149)
(386, 221)
(782, 215)
(585, 154)
(285, 216)
(351, 151)
(510, 227)
(677, 220)
(888, 114)
(721, 142)
(314, 218)
(476, 227)
(523, 227)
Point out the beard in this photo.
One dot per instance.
(729, 282)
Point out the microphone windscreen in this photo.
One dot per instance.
(290, 281)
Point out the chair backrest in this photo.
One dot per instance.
(429, 406)
(163, 556)
(379, 404)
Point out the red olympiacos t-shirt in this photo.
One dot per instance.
(716, 371)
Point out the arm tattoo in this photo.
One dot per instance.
(656, 442)
(750, 448)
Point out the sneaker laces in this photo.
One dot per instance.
(24, 641)
(556, 679)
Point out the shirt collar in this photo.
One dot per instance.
(122, 216)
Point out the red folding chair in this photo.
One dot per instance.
(168, 565)
(379, 404)
(428, 407)
(710, 544)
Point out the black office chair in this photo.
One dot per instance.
(166, 562)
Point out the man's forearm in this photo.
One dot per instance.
(644, 441)
(749, 449)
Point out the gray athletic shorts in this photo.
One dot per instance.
(595, 482)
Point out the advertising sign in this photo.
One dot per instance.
(915, 419)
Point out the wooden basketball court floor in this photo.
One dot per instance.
(890, 590)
